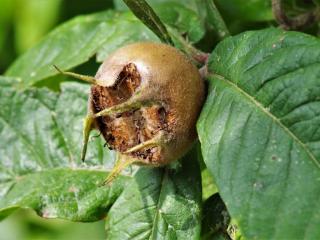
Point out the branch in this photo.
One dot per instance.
(200, 58)
(298, 22)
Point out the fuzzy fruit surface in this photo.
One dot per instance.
(163, 94)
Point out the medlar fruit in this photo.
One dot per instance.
(145, 101)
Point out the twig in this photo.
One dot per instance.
(199, 57)
(295, 23)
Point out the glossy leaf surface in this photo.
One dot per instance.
(40, 147)
(260, 132)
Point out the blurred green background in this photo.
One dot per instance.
(23, 23)
(26, 225)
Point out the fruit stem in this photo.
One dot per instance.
(196, 55)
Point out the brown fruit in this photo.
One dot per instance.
(167, 93)
(145, 101)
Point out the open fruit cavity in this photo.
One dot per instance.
(125, 130)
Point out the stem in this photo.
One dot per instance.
(199, 57)
(216, 20)
(298, 22)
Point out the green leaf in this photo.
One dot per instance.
(68, 193)
(215, 19)
(161, 203)
(208, 186)
(260, 135)
(40, 147)
(69, 45)
(127, 30)
(76, 41)
(181, 18)
(145, 13)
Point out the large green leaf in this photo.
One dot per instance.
(176, 16)
(126, 30)
(260, 132)
(215, 20)
(184, 17)
(160, 203)
(179, 17)
(67, 46)
(74, 42)
(40, 147)
(208, 186)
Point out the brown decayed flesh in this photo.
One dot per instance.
(128, 129)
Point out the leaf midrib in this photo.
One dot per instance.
(269, 114)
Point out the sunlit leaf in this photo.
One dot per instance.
(160, 203)
(40, 147)
(260, 132)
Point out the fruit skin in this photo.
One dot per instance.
(167, 77)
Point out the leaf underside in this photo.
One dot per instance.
(260, 132)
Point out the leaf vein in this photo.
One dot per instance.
(269, 114)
